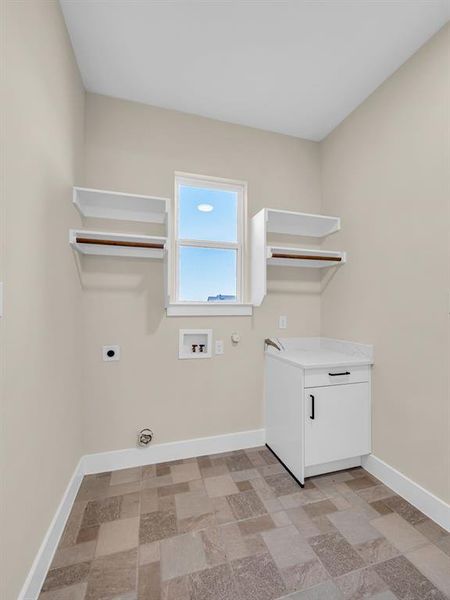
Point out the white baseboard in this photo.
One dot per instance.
(136, 457)
(432, 506)
(33, 583)
(122, 459)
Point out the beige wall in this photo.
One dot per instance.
(136, 148)
(385, 170)
(42, 127)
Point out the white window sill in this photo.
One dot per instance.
(209, 310)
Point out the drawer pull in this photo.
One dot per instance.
(339, 374)
(312, 407)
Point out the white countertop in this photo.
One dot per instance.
(314, 353)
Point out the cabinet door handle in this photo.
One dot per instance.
(339, 374)
(311, 416)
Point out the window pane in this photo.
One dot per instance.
(207, 274)
(207, 214)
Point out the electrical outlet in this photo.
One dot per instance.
(111, 353)
(219, 347)
(282, 322)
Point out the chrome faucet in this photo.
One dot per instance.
(270, 342)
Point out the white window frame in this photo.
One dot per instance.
(236, 307)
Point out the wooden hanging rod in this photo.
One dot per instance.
(307, 257)
(82, 240)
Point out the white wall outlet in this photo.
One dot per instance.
(219, 348)
(111, 353)
(282, 322)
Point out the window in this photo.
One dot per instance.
(209, 240)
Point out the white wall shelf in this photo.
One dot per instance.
(117, 244)
(115, 205)
(301, 224)
(283, 256)
(270, 220)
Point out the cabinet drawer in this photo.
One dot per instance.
(337, 423)
(336, 376)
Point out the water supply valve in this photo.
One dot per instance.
(145, 436)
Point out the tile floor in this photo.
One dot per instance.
(236, 526)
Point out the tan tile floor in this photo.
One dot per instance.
(236, 526)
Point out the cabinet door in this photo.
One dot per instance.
(337, 422)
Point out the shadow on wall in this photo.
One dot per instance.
(327, 275)
(112, 276)
(133, 277)
(293, 281)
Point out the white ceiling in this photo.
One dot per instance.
(291, 66)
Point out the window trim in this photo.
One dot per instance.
(213, 309)
(239, 306)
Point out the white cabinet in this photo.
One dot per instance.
(337, 422)
(318, 405)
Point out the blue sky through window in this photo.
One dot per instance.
(207, 274)
(219, 225)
